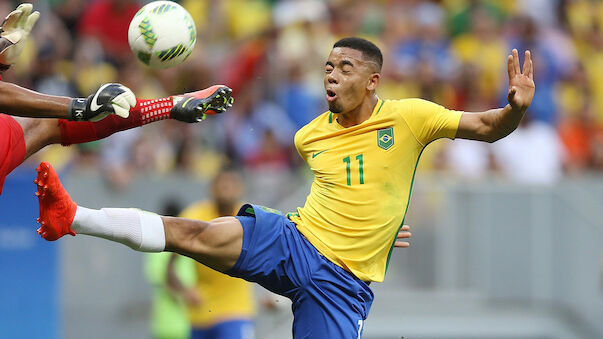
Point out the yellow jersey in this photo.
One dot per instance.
(222, 297)
(363, 179)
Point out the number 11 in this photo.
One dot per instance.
(348, 161)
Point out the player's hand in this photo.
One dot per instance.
(14, 32)
(109, 99)
(192, 107)
(191, 297)
(403, 234)
(521, 85)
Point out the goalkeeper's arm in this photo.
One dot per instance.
(108, 99)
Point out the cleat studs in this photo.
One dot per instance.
(36, 181)
(37, 194)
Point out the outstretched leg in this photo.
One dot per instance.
(215, 243)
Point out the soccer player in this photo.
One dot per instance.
(363, 153)
(111, 109)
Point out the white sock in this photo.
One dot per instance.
(140, 230)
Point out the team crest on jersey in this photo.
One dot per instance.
(385, 138)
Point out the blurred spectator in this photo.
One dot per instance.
(108, 21)
(169, 318)
(481, 48)
(533, 154)
(429, 47)
(224, 307)
(256, 122)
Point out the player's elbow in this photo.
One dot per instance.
(488, 133)
(493, 137)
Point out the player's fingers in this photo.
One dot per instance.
(401, 244)
(31, 21)
(405, 228)
(25, 12)
(129, 96)
(404, 235)
(531, 74)
(510, 67)
(122, 110)
(526, 63)
(11, 20)
(122, 102)
(516, 61)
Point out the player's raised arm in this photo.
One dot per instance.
(496, 124)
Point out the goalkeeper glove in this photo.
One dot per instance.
(14, 32)
(109, 99)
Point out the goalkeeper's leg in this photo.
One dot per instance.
(215, 243)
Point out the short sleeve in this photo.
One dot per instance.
(429, 121)
(299, 144)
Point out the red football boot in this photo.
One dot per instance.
(192, 107)
(57, 210)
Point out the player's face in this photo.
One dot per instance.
(347, 79)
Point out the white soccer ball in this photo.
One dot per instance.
(162, 34)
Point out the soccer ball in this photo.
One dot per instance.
(162, 34)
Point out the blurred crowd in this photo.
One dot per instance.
(272, 54)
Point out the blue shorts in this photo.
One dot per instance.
(232, 329)
(328, 301)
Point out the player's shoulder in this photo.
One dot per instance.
(405, 104)
(410, 106)
(321, 120)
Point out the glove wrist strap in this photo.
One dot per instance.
(77, 107)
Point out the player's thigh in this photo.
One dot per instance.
(216, 243)
(38, 133)
(317, 319)
(12, 145)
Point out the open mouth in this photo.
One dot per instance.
(331, 95)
